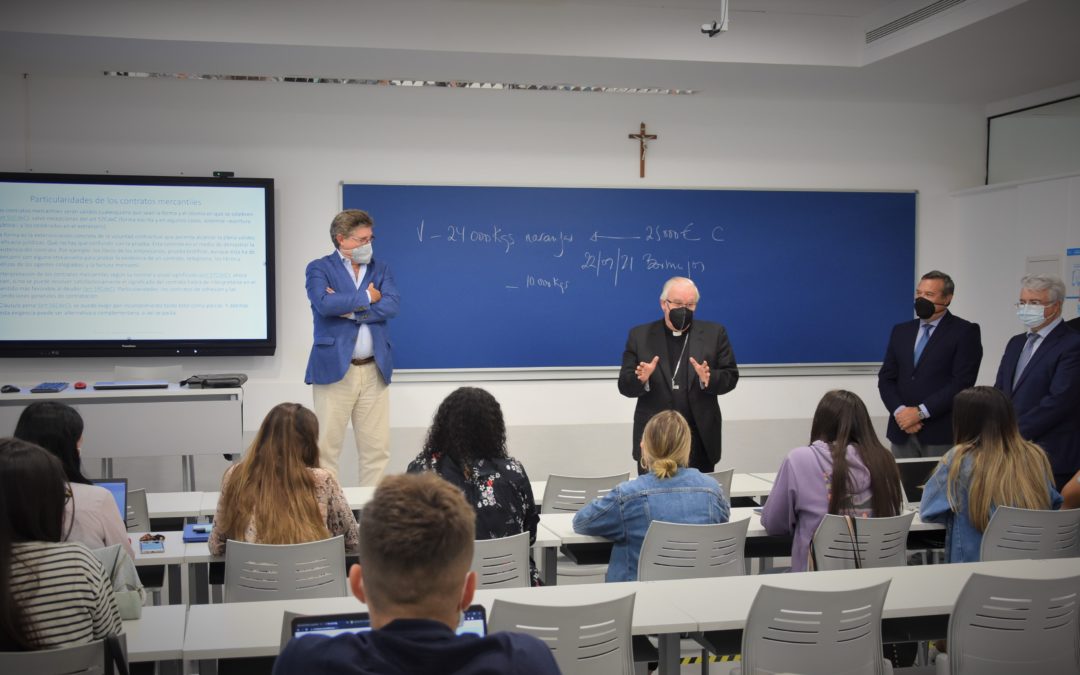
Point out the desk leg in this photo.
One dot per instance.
(106, 467)
(187, 470)
(669, 653)
(551, 565)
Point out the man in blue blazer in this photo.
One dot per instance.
(352, 296)
(928, 361)
(1040, 373)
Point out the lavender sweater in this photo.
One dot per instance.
(799, 499)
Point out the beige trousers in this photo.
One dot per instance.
(363, 397)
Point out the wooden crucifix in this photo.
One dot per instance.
(641, 137)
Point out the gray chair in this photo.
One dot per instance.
(815, 632)
(284, 572)
(584, 639)
(503, 562)
(724, 478)
(1002, 625)
(677, 551)
(1021, 534)
(567, 494)
(88, 659)
(137, 517)
(879, 542)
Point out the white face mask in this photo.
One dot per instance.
(362, 254)
(1030, 315)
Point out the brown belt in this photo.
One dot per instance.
(360, 362)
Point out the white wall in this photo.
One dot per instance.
(311, 137)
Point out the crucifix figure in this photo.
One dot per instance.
(641, 138)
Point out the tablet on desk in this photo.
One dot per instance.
(133, 384)
(152, 546)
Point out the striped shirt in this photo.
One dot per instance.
(64, 593)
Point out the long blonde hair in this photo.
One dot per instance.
(272, 484)
(1006, 470)
(665, 444)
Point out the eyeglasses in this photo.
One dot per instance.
(679, 305)
(1032, 303)
(361, 241)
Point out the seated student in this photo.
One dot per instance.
(414, 576)
(844, 471)
(277, 494)
(990, 465)
(92, 513)
(1071, 493)
(52, 593)
(466, 445)
(670, 492)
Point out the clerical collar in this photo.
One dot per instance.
(678, 333)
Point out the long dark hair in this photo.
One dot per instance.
(468, 426)
(57, 427)
(841, 420)
(33, 492)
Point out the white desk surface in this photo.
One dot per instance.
(767, 476)
(174, 504)
(175, 550)
(158, 635)
(916, 590)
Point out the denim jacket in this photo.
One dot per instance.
(623, 515)
(962, 540)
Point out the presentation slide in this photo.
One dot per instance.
(132, 262)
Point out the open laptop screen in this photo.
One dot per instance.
(118, 488)
(913, 476)
(474, 620)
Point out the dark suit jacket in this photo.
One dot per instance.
(1074, 323)
(1047, 397)
(708, 342)
(949, 364)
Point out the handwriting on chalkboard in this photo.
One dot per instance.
(598, 262)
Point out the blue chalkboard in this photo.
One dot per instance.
(522, 277)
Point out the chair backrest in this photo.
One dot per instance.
(1005, 625)
(678, 551)
(88, 659)
(584, 639)
(284, 572)
(879, 542)
(138, 514)
(1021, 534)
(567, 494)
(815, 632)
(503, 562)
(724, 478)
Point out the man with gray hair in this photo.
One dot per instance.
(680, 363)
(1040, 373)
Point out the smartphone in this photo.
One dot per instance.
(151, 546)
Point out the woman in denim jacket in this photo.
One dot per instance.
(670, 492)
(990, 466)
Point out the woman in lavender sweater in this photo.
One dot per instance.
(845, 470)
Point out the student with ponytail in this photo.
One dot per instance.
(669, 492)
(991, 465)
(844, 471)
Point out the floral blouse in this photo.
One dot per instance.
(499, 490)
(333, 506)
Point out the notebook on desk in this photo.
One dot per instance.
(474, 620)
(133, 384)
(118, 488)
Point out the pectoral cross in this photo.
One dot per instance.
(641, 138)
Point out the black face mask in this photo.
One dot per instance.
(680, 318)
(924, 309)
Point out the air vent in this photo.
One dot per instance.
(908, 20)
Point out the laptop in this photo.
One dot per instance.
(474, 621)
(118, 488)
(914, 472)
(132, 384)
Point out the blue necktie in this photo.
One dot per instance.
(1025, 356)
(923, 339)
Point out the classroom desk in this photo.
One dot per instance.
(158, 635)
(767, 476)
(174, 504)
(253, 629)
(174, 555)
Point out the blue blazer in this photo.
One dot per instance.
(949, 364)
(1047, 397)
(335, 336)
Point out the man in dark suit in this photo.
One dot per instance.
(1040, 373)
(680, 363)
(352, 296)
(928, 361)
(1074, 324)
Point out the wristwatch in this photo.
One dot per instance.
(922, 415)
